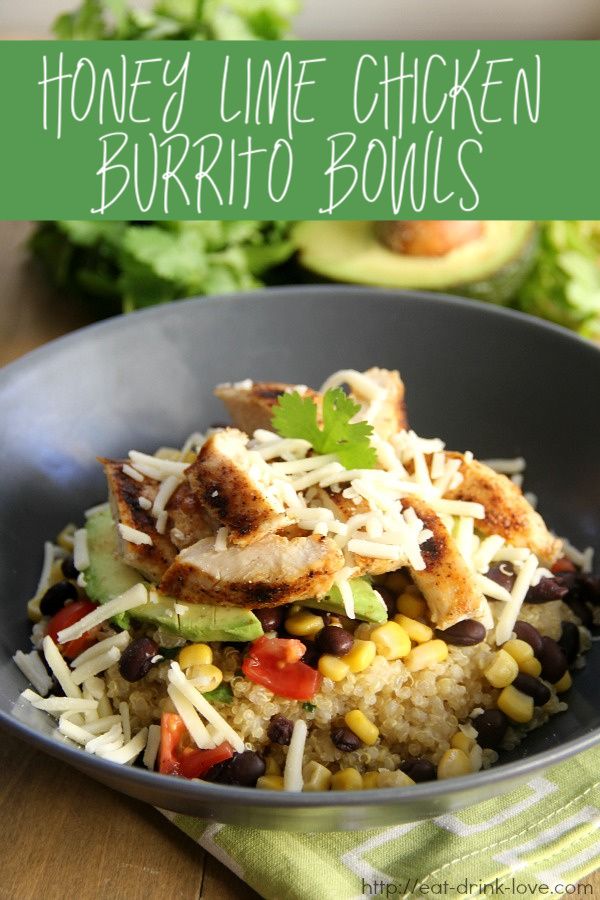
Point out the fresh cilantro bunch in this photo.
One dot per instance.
(183, 20)
(295, 416)
(122, 266)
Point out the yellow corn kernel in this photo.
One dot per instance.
(304, 624)
(272, 767)
(397, 582)
(360, 656)
(461, 742)
(204, 678)
(316, 777)
(362, 727)
(195, 655)
(393, 779)
(408, 605)
(391, 640)
(502, 670)
(516, 705)
(520, 651)
(564, 684)
(270, 782)
(333, 667)
(347, 780)
(453, 763)
(531, 666)
(417, 631)
(370, 780)
(424, 656)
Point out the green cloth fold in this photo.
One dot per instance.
(537, 841)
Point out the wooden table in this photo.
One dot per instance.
(64, 835)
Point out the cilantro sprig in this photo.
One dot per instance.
(295, 416)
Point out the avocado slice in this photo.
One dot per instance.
(491, 267)
(367, 604)
(107, 577)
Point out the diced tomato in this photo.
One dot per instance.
(276, 664)
(172, 731)
(563, 565)
(66, 617)
(178, 757)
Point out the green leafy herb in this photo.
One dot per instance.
(295, 416)
(309, 707)
(122, 266)
(222, 694)
(564, 285)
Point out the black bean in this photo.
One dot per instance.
(136, 659)
(243, 769)
(389, 598)
(526, 632)
(269, 617)
(463, 634)
(56, 597)
(491, 727)
(533, 687)
(419, 769)
(545, 590)
(344, 739)
(581, 587)
(335, 640)
(553, 660)
(502, 573)
(68, 569)
(570, 641)
(280, 729)
(311, 656)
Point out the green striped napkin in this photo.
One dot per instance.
(539, 840)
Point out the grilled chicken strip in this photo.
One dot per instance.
(251, 406)
(344, 509)
(446, 583)
(507, 512)
(186, 520)
(269, 572)
(234, 486)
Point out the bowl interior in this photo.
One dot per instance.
(493, 382)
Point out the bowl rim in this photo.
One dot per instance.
(203, 791)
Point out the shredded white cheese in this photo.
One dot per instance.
(96, 664)
(120, 640)
(59, 668)
(292, 773)
(178, 679)
(81, 556)
(135, 596)
(510, 612)
(133, 473)
(152, 746)
(144, 503)
(44, 580)
(58, 704)
(191, 719)
(94, 510)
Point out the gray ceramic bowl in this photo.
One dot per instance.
(486, 379)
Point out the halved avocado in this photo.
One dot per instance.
(108, 576)
(492, 267)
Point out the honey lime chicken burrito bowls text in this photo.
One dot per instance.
(313, 597)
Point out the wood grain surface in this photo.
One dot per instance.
(62, 835)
